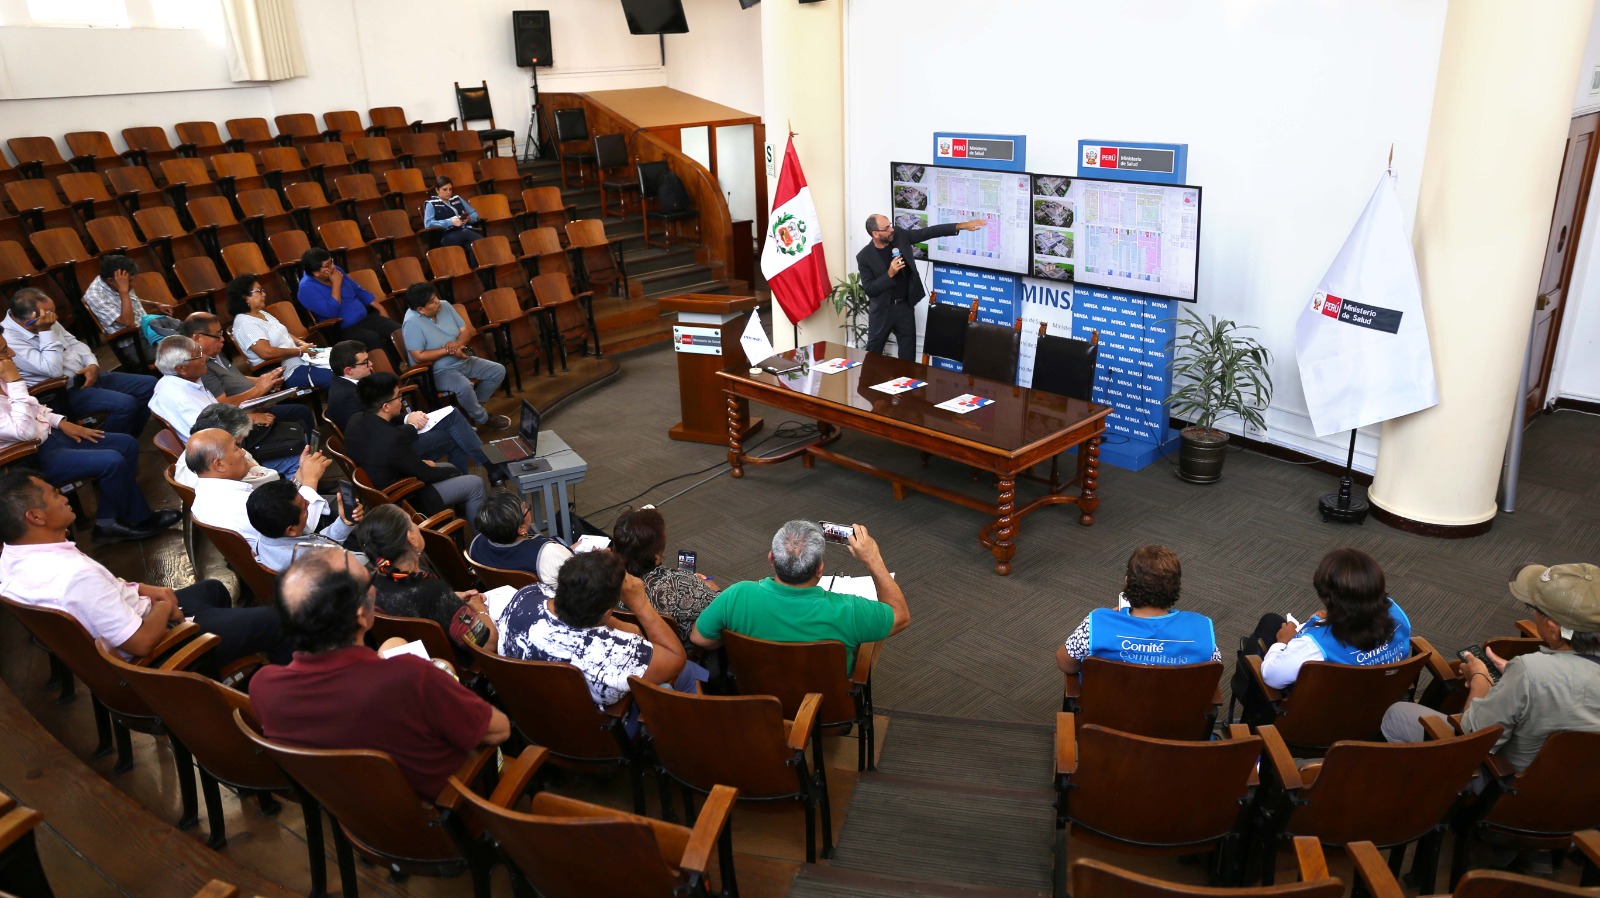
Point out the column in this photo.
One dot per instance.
(1501, 111)
(802, 68)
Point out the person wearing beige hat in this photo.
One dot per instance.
(1553, 690)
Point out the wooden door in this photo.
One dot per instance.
(1566, 224)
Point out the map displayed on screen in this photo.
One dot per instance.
(926, 195)
(1124, 235)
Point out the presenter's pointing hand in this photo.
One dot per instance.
(974, 224)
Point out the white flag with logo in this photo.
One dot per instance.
(754, 340)
(1361, 341)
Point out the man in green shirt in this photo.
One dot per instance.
(792, 608)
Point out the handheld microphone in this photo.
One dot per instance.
(894, 253)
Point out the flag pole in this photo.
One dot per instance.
(1342, 506)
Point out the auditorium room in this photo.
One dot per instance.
(816, 448)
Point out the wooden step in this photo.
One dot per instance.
(637, 336)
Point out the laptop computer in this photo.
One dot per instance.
(520, 448)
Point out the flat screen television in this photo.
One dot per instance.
(926, 195)
(1131, 236)
(655, 16)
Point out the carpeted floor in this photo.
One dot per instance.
(981, 646)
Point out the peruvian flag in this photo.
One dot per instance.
(792, 258)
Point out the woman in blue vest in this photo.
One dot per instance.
(453, 216)
(1360, 626)
(1144, 628)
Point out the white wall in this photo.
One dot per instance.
(359, 54)
(1574, 374)
(720, 60)
(1289, 111)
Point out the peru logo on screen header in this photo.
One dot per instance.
(1099, 157)
(953, 147)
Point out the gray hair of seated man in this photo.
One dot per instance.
(200, 454)
(233, 419)
(175, 351)
(797, 550)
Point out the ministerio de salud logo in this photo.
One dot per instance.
(790, 233)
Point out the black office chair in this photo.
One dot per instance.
(993, 350)
(1066, 367)
(650, 176)
(474, 105)
(572, 126)
(946, 332)
(611, 153)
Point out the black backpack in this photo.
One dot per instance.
(671, 197)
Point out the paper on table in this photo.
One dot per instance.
(322, 358)
(900, 385)
(413, 647)
(834, 366)
(964, 403)
(755, 342)
(589, 542)
(496, 600)
(435, 416)
(854, 586)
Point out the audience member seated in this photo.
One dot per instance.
(438, 336)
(263, 338)
(1360, 626)
(45, 350)
(577, 627)
(180, 397)
(281, 516)
(112, 302)
(393, 545)
(507, 540)
(794, 608)
(236, 421)
(385, 446)
(452, 439)
(41, 566)
(1539, 694)
(326, 293)
(221, 492)
(640, 537)
(233, 386)
(338, 694)
(453, 216)
(69, 452)
(1144, 628)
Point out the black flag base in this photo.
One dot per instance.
(1342, 507)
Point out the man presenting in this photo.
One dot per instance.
(892, 282)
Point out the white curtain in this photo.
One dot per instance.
(263, 40)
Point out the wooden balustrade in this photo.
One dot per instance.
(716, 224)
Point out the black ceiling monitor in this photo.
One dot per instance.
(746, 4)
(655, 16)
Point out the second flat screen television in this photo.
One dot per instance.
(1122, 235)
(925, 195)
(655, 16)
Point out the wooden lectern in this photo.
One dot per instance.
(706, 340)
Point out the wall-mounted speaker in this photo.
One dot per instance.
(530, 30)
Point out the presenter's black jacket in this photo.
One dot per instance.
(875, 277)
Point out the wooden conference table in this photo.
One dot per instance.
(1021, 429)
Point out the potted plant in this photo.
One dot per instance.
(1220, 373)
(849, 298)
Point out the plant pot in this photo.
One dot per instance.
(1201, 454)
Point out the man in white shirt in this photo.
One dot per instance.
(180, 395)
(221, 493)
(235, 421)
(46, 350)
(280, 515)
(42, 567)
(69, 452)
